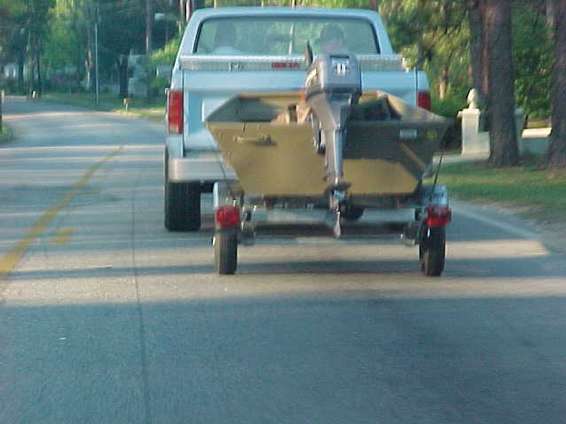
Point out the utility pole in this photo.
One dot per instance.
(97, 79)
(148, 27)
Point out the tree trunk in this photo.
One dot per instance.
(123, 75)
(21, 63)
(557, 147)
(38, 64)
(498, 37)
(550, 11)
(443, 83)
(484, 54)
(476, 46)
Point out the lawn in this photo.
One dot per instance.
(534, 191)
(5, 134)
(154, 109)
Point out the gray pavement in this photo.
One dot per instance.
(108, 318)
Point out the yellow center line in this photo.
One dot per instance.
(11, 259)
(62, 236)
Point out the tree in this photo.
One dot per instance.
(433, 35)
(557, 148)
(496, 20)
(478, 64)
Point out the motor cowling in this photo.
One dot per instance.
(333, 84)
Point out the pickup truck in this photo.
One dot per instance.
(228, 51)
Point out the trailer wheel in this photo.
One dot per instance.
(225, 252)
(432, 251)
(181, 204)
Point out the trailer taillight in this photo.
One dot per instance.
(175, 111)
(227, 216)
(438, 216)
(423, 100)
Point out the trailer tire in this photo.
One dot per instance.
(432, 251)
(181, 204)
(225, 252)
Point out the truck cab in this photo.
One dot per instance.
(228, 51)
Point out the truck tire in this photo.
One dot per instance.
(225, 252)
(181, 204)
(353, 213)
(432, 252)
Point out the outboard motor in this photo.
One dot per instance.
(333, 84)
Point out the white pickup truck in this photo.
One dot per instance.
(228, 51)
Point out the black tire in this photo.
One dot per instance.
(353, 213)
(432, 252)
(181, 204)
(225, 252)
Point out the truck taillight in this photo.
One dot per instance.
(423, 100)
(175, 111)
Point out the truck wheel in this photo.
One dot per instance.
(353, 213)
(225, 252)
(182, 204)
(432, 252)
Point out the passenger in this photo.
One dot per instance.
(224, 40)
(332, 39)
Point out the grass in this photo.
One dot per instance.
(535, 192)
(6, 133)
(154, 110)
(538, 123)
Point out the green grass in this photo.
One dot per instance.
(154, 110)
(537, 193)
(538, 123)
(6, 134)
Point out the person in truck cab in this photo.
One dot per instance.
(224, 40)
(332, 39)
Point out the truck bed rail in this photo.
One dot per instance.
(368, 63)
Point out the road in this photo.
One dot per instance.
(107, 318)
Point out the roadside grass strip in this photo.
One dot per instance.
(537, 193)
(11, 259)
(7, 133)
(153, 110)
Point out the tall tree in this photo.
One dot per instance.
(478, 65)
(501, 99)
(557, 148)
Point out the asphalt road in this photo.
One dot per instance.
(107, 318)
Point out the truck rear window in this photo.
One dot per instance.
(277, 36)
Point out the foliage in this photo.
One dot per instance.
(166, 54)
(435, 36)
(433, 33)
(532, 56)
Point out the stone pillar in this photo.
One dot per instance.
(475, 141)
